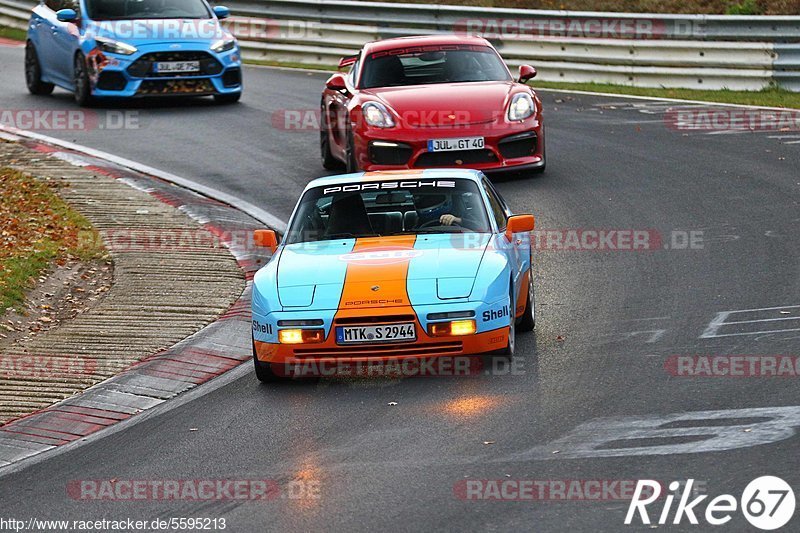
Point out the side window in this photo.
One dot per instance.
(351, 76)
(498, 211)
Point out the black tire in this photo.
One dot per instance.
(351, 162)
(264, 371)
(508, 351)
(527, 322)
(230, 98)
(83, 88)
(33, 73)
(328, 161)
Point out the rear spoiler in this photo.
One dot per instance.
(348, 60)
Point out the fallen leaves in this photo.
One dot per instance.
(37, 228)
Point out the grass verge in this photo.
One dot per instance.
(770, 97)
(37, 229)
(13, 33)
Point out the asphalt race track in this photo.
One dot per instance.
(608, 323)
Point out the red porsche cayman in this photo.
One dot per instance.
(431, 101)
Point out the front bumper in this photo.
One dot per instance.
(430, 356)
(121, 76)
(508, 147)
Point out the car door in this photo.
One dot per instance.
(42, 26)
(65, 42)
(518, 250)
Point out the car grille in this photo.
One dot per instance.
(232, 77)
(456, 158)
(111, 80)
(368, 320)
(143, 67)
(389, 155)
(170, 87)
(519, 145)
(401, 350)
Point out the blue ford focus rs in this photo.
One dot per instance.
(132, 48)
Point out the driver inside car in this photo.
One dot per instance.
(447, 210)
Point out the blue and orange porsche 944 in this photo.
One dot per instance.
(388, 266)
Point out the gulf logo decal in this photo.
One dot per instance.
(383, 256)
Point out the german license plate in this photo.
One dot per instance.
(177, 66)
(451, 145)
(375, 334)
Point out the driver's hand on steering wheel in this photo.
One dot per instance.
(449, 220)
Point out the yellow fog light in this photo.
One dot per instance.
(300, 336)
(462, 327)
(455, 327)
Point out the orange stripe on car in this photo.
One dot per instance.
(379, 283)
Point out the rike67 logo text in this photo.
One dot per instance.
(767, 502)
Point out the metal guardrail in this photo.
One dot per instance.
(682, 51)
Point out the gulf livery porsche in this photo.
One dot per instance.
(435, 101)
(387, 266)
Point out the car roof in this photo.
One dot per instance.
(422, 40)
(386, 175)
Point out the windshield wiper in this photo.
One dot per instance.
(335, 236)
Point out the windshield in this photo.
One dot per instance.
(436, 64)
(147, 9)
(373, 209)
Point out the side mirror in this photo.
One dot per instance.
(519, 224)
(222, 12)
(336, 82)
(347, 61)
(526, 72)
(266, 238)
(67, 15)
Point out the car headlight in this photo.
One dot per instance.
(376, 114)
(223, 45)
(114, 47)
(521, 107)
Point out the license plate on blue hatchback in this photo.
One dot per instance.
(176, 66)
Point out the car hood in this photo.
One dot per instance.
(154, 31)
(446, 104)
(317, 273)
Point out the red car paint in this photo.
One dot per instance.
(428, 111)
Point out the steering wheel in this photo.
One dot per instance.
(435, 222)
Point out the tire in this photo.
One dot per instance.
(508, 351)
(351, 163)
(230, 98)
(83, 89)
(33, 73)
(328, 161)
(264, 371)
(527, 322)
